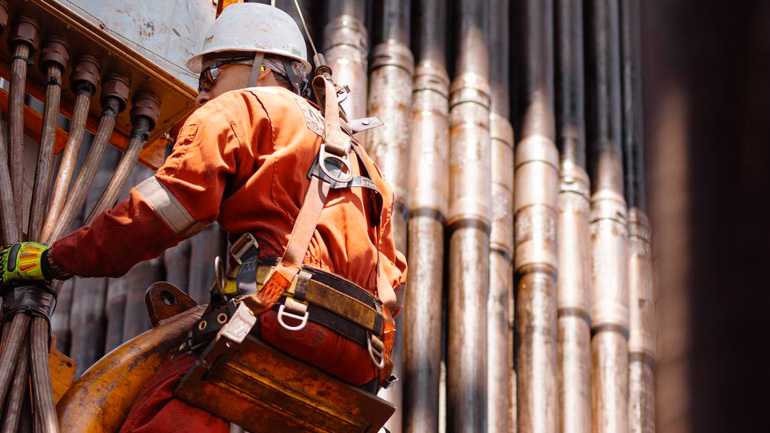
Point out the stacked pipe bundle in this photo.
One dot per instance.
(609, 230)
(24, 348)
(536, 191)
(428, 198)
(641, 342)
(574, 282)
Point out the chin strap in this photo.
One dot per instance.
(255, 67)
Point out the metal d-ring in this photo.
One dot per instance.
(282, 312)
(323, 156)
(380, 364)
(220, 278)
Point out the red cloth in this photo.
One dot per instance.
(156, 410)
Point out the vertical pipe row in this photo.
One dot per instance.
(609, 231)
(390, 99)
(428, 199)
(469, 220)
(24, 42)
(499, 347)
(345, 48)
(641, 342)
(54, 57)
(573, 287)
(535, 198)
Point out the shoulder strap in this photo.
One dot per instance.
(337, 143)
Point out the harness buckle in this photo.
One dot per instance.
(376, 348)
(298, 311)
(345, 172)
(241, 246)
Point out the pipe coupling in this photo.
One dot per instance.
(393, 53)
(470, 87)
(55, 50)
(116, 86)
(86, 72)
(147, 105)
(27, 30)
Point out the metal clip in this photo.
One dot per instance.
(345, 162)
(239, 325)
(295, 306)
(241, 246)
(220, 278)
(376, 352)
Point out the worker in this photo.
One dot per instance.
(244, 159)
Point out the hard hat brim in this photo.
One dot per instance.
(195, 64)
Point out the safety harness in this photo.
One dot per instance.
(301, 293)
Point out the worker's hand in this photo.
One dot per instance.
(25, 261)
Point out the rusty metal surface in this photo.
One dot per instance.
(469, 219)
(21, 53)
(242, 382)
(116, 56)
(574, 282)
(427, 203)
(15, 400)
(42, 387)
(609, 356)
(345, 47)
(45, 157)
(535, 234)
(609, 231)
(164, 300)
(131, 365)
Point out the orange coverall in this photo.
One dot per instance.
(242, 159)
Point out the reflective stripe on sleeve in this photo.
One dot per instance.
(168, 208)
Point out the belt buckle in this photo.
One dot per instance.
(241, 246)
(376, 350)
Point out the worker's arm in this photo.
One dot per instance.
(181, 199)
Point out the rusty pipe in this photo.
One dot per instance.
(499, 345)
(144, 114)
(13, 406)
(469, 219)
(642, 325)
(9, 227)
(113, 101)
(24, 42)
(14, 334)
(535, 207)
(390, 99)
(42, 388)
(85, 79)
(574, 282)
(427, 203)
(54, 57)
(609, 231)
(345, 48)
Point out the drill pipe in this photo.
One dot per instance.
(391, 101)
(18, 391)
(573, 287)
(345, 48)
(10, 348)
(469, 220)
(113, 101)
(53, 59)
(84, 79)
(499, 344)
(427, 203)
(641, 342)
(42, 388)
(9, 226)
(116, 312)
(24, 40)
(87, 322)
(204, 247)
(609, 232)
(144, 114)
(60, 320)
(535, 204)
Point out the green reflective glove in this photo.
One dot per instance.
(25, 261)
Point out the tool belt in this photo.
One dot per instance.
(316, 296)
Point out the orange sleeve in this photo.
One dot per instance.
(193, 179)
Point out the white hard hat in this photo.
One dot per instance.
(252, 28)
